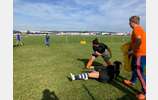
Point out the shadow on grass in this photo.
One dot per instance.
(85, 61)
(15, 46)
(89, 93)
(97, 66)
(120, 79)
(49, 95)
(127, 97)
(130, 91)
(69, 78)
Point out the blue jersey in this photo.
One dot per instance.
(18, 37)
(47, 38)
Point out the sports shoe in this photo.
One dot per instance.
(141, 96)
(91, 67)
(72, 76)
(128, 82)
(86, 78)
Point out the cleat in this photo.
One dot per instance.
(72, 76)
(128, 82)
(86, 78)
(141, 96)
(91, 67)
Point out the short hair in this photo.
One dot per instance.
(95, 41)
(134, 19)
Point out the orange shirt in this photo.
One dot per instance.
(138, 32)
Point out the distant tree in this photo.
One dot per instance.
(15, 31)
(28, 32)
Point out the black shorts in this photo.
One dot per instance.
(103, 76)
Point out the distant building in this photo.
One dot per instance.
(105, 33)
(75, 33)
(119, 34)
(72, 32)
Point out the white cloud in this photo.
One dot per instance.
(100, 14)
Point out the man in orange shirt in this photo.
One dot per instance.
(138, 52)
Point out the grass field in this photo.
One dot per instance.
(40, 72)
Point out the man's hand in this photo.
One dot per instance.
(90, 61)
(130, 52)
(94, 54)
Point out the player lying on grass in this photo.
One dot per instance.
(104, 75)
(100, 49)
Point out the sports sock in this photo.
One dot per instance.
(81, 76)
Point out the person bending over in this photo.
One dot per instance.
(100, 49)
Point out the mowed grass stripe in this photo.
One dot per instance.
(37, 68)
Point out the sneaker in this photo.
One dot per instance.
(86, 78)
(141, 96)
(72, 76)
(91, 67)
(128, 82)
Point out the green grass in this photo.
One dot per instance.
(40, 71)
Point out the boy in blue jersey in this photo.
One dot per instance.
(47, 40)
(19, 40)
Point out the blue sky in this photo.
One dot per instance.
(77, 15)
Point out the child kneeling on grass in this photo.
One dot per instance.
(100, 49)
(105, 75)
